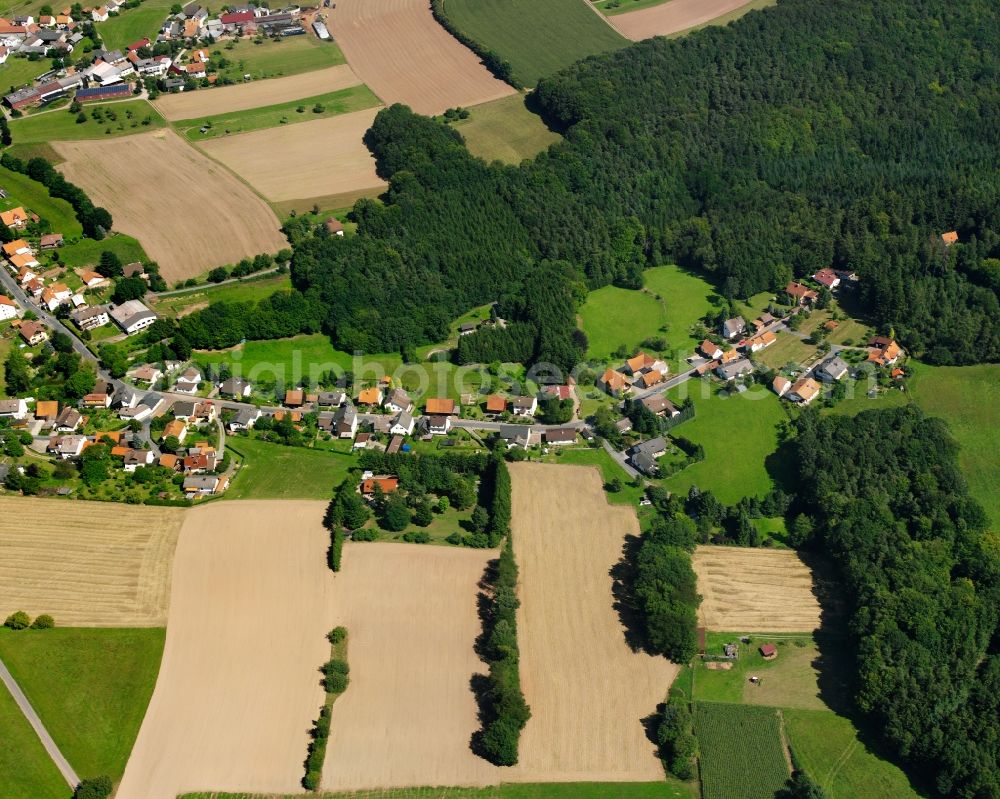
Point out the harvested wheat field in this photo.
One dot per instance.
(588, 691)
(88, 564)
(400, 51)
(256, 94)
(409, 712)
(189, 213)
(326, 156)
(755, 590)
(239, 682)
(671, 17)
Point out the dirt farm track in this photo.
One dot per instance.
(400, 51)
(87, 563)
(239, 682)
(258, 93)
(588, 691)
(189, 213)
(671, 17)
(755, 590)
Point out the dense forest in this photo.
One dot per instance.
(889, 505)
(850, 134)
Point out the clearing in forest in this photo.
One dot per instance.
(189, 213)
(401, 52)
(311, 159)
(409, 712)
(587, 689)
(239, 684)
(87, 563)
(755, 590)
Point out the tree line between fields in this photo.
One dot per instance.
(752, 153)
(503, 711)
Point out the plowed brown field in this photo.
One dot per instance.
(239, 684)
(87, 563)
(671, 17)
(188, 213)
(409, 712)
(256, 94)
(310, 159)
(755, 590)
(588, 691)
(404, 56)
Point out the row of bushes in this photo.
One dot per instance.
(675, 735)
(19, 620)
(96, 221)
(491, 60)
(335, 679)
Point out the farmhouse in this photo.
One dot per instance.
(14, 218)
(133, 316)
(801, 295)
(51, 241)
(804, 390)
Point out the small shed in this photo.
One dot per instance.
(769, 651)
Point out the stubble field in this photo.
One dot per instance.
(311, 159)
(87, 563)
(258, 93)
(755, 590)
(400, 51)
(189, 213)
(671, 17)
(239, 684)
(409, 712)
(588, 691)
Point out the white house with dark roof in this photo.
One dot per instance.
(132, 316)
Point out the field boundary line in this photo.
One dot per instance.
(36, 724)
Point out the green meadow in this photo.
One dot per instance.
(115, 118)
(271, 58)
(134, 24)
(28, 771)
(89, 686)
(274, 471)
(22, 190)
(505, 130)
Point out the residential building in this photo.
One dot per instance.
(13, 408)
(832, 369)
(884, 351)
(710, 350)
(8, 308)
(949, 238)
(370, 396)
(661, 406)
(294, 398)
(135, 458)
(334, 227)
(147, 373)
(133, 316)
(516, 435)
(188, 381)
(345, 421)
(47, 410)
(731, 328)
(560, 436)
(33, 333)
(781, 385)
(524, 406)
(643, 455)
(385, 483)
(613, 383)
(828, 278)
(330, 399)
(804, 390)
(738, 368)
(438, 424)
(398, 401)
(236, 387)
(90, 317)
(642, 362)
(496, 404)
(436, 406)
(68, 421)
(761, 341)
(205, 485)
(801, 295)
(175, 428)
(244, 419)
(403, 424)
(67, 447)
(649, 379)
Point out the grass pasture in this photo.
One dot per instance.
(353, 98)
(18, 71)
(272, 58)
(28, 771)
(505, 130)
(135, 23)
(274, 471)
(738, 433)
(671, 298)
(89, 686)
(119, 118)
(87, 252)
(741, 750)
(537, 38)
(968, 398)
(832, 753)
(243, 291)
(22, 190)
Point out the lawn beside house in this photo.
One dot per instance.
(89, 686)
(134, 24)
(87, 252)
(274, 471)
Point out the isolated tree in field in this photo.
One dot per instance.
(43, 622)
